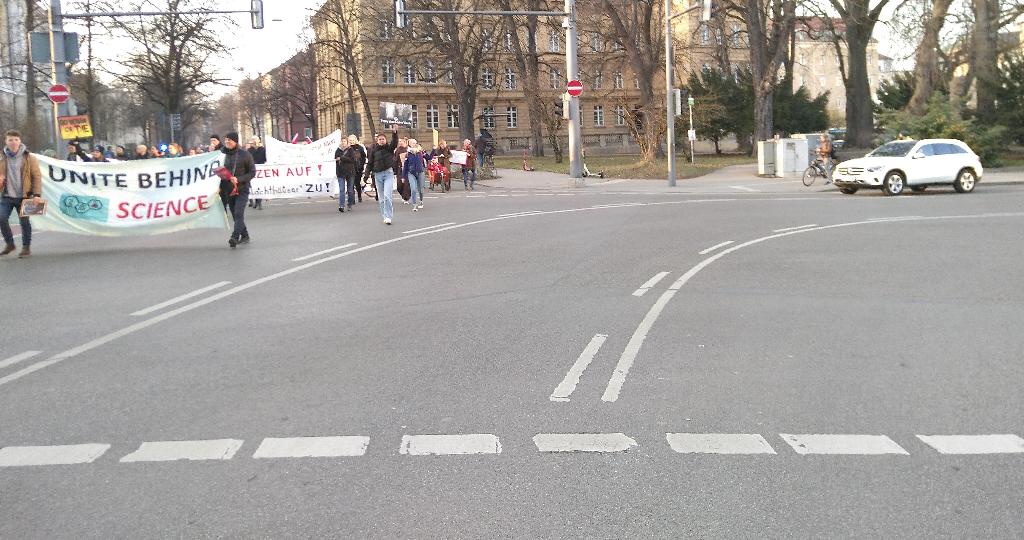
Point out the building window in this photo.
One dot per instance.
(705, 35)
(618, 80)
(488, 117)
(598, 80)
(620, 115)
(487, 77)
(488, 41)
(387, 72)
(453, 116)
(387, 29)
(508, 41)
(512, 117)
(415, 117)
(556, 79)
(409, 76)
(510, 79)
(432, 117)
(595, 42)
(598, 115)
(431, 75)
(307, 133)
(737, 36)
(554, 42)
(636, 83)
(617, 47)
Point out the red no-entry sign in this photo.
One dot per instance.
(574, 88)
(58, 93)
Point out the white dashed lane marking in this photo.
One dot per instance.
(447, 445)
(324, 252)
(300, 447)
(650, 283)
(572, 378)
(179, 299)
(188, 450)
(72, 454)
(975, 444)
(714, 247)
(843, 444)
(18, 358)
(719, 443)
(583, 442)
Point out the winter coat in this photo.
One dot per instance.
(240, 164)
(381, 158)
(413, 164)
(345, 160)
(443, 155)
(470, 158)
(259, 155)
(31, 176)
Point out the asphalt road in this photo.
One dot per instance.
(872, 323)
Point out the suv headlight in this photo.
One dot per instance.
(874, 168)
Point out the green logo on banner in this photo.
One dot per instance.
(79, 207)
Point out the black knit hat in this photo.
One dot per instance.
(215, 136)
(233, 136)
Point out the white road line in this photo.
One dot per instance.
(178, 299)
(218, 449)
(515, 214)
(498, 195)
(301, 447)
(650, 283)
(745, 188)
(718, 443)
(18, 358)
(796, 228)
(572, 378)
(141, 325)
(618, 378)
(975, 444)
(714, 247)
(447, 445)
(583, 442)
(71, 454)
(545, 195)
(843, 444)
(324, 252)
(474, 196)
(427, 228)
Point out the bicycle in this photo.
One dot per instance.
(816, 169)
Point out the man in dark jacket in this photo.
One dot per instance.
(346, 157)
(360, 153)
(380, 161)
(259, 157)
(239, 163)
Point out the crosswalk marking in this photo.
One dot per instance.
(718, 443)
(446, 445)
(184, 450)
(843, 444)
(296, 447)
(71, 454)
(583, 442)
(975, 444)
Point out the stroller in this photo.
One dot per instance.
(439, 176)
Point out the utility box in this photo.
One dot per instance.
(790, 157)
(766, 158)
(813, 139)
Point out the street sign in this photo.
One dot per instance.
(575, 88)
(58, 93)
(692, 135)
(690, 101)
(74, 127)
(175, 121)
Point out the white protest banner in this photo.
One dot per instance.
(315, 152)
(459, 157)
(284, 181)
(131, 198)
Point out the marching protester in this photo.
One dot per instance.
(214, 143)
(469, 168)
(259, 157)
(403, 182)
(360, 153)
(154, 152)
(20, 179)
(442, 153)
(141, 152)
(345, 160)
(239, 163)
(97, 156)
(119, 154)
(75, 153)
(380, 163)
(415, 172)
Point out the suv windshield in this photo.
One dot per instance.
(893, 149)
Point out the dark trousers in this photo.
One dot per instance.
(7, 206)
(238, 204)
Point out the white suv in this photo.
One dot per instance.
(897, 165)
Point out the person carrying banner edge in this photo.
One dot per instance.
(242, 168)
(20, 179)
(380, 161)
(345, 159)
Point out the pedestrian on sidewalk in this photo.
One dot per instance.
(345, 159)
(20, 179)
(415, 170)
(242, 169)
(380, 163)
(469, 168)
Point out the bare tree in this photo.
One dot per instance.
(926, 68)
(338, 53)
(253, 104)
(294, 88)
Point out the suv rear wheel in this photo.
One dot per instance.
(965, 181)
(894, 183)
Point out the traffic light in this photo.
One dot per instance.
(257, 14)
(400, 18)
(705, 14)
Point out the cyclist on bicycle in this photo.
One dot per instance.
(825, 154)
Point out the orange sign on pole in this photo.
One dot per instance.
(74, 127)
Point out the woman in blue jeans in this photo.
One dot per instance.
(415, 169)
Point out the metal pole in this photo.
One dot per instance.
(693, 153)
(53, 73)
(670, 114)
(572, 73)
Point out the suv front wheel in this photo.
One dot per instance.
(894, 183)
(965, 181)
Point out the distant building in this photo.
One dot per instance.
(816, 63)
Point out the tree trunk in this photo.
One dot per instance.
(764, 96)
(859, 104)
(985, 64)
(926, 70)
